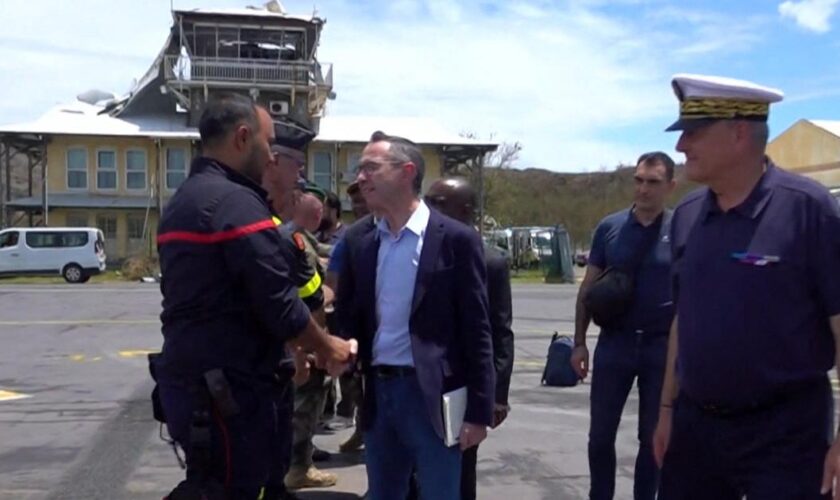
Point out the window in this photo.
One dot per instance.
(135, 227)
(9, 240)
(77, 220)
(322, 174)
(74, 239)
(135, 169)
(108, 225)
(56, 239)
(77, 168)
(352, 167)
(106, 169)
(176, 168)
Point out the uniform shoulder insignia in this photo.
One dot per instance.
(299, 241)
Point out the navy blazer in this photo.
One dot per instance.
(449, 324)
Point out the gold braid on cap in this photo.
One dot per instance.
(722, 109)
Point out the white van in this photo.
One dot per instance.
(76, 253)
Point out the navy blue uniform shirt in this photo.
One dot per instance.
(616, 241)
(229, 297)
(755, 287)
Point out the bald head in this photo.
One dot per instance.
(308, 212)
(454, 197)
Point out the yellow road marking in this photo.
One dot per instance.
(81, 358)
(529, 362)
(77, 322)
(136, 353)
(12, 395)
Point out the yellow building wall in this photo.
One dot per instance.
(155, 161)
(117, 246)
(804, 145)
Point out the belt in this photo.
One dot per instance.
(735, 411)
(391, 371)
(752, 407)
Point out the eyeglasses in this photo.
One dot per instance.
(370, 167)
(299, 163)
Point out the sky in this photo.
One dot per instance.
(582, 85)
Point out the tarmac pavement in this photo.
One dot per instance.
(75, 419)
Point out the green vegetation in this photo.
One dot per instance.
(534, 197)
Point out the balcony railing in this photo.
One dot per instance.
(254, 71)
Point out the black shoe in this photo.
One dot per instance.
(319, 455)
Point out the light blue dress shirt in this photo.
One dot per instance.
(396, 274)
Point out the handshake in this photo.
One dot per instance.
(333, 354)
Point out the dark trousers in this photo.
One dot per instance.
(775, 452)
(350, 385)
(469, 461)
(281, 457)
(620, 359)
(239, 454)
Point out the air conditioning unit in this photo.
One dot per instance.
(278, 108)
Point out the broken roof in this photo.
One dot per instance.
(261, 13)
(80, 118)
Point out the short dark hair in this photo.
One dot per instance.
(222, 113)
(405, 151)
(333, 203)
(658, 158)
(760, 133)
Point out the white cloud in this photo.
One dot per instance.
(813, 15)
(557, 79)
(569, 80)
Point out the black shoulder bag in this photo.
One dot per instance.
(611, 295)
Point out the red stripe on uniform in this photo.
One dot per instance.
(210, 238)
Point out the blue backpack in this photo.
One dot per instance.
(558, 364)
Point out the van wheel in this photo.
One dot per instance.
(73, 273)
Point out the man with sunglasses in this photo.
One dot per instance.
(632, 346)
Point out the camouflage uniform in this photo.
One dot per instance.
(311, 396)
(308, 282)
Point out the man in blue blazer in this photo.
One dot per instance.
(413, 293)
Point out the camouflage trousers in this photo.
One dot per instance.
(309, 406)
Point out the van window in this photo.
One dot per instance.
(10, 239)
(74, 239)
(58, 239)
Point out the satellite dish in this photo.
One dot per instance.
(94, 96)
(275, 6)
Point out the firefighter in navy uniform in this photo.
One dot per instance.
(283, 183)
(229, 305)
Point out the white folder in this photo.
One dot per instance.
(454, 408)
